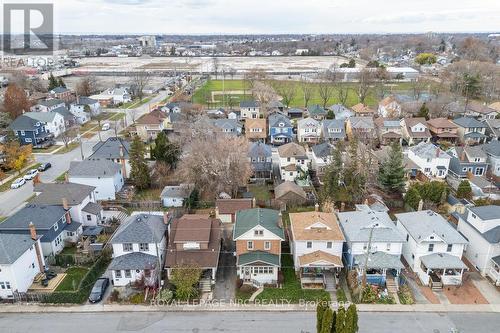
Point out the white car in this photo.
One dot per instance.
(31, 174)
(105, 127)
(18, 183)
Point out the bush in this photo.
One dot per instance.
(136, 299)
(247, 288)
(165, 295)
(114, 296)
(369, 295)
(341, 297)
(239, 283)
(405, 295)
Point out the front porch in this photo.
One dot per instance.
(380, 267)
(318, 270)
(494, 270)
(258, 268)
(441, 269)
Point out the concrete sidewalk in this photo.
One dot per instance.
(235, 307)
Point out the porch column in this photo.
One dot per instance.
(213, 273)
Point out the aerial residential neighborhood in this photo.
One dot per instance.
(339, 178)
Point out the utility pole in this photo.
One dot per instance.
(368, 253)
(81, 146)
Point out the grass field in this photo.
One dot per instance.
(204, 93)
(72, 279)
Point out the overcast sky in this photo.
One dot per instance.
(274, 16)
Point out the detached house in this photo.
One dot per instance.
(228, 127)
(361, 127)
(316, 243)
(260, 156)
(149, 125)
(53, 121)
(258, 234)
(480, 111)
(255, 129)
(443, 130)
(415, 130)
(52, 223)
(48, 105)
(492, 150)
(31, 132)
(175, 195)
(341, 112)
(389, 108)
(332, 130)
(470, 130)
(481, 227)
(249, 110)
(433, 248)
(104, 175)
(322, 156)
(430, 159)
(362, 110)
(61, 93)
(308, 130)
(316, 112)
(21, 259)
(225, 209)
(388, 130)
(293, 161)
(373, 243)
(114, 149)
(194, 240)
(468, 160)
(139, 246)
(493, 128)
(280, 129)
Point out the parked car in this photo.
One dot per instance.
(106, 126)
(44, 167)
(31, 174)
(98, 290)
(18, 183)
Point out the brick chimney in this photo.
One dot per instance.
(122, 162)
(37, 248)
(66, 208)
(420, 205)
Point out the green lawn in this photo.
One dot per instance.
(291, 290)
(45, 150)
(67, 149)
(72, 279)
(61, 177)
(260, 192)
(204, 93)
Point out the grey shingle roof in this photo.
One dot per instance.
(468, 122)
(12, 246)
(92, 208)
(45, 117)
(493, 235)
(422, 224)
(250, 218)
(249, 104)
(442, 260)
(51, 102)
(134, 260)
(362, 122)
(142, 228)
(93, 168)
(82, 100)
(53, 193)
(276, 118)
(23, 123)
(322, 150)
(357, 225)
(42, 216)
(258, 149)
(378, 260)
(110, 149)
(179, 191)
(332, 123)
(58, 90)
(428, 150)
(489, 212)
(492, 148)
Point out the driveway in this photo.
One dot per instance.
(225, 279)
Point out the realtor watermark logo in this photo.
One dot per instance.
(28, 28)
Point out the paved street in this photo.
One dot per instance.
(242, 322)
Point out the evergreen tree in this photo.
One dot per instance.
(165, 151)
(61, 83)
(193, 199)
(351, 320)
(464, 191)
(334, 322)
(320, 310)
(330, 115)
(392, 171)
(340, 321)
(326, 324)
(331, 180)
(354, 179)
(52, 82)
(424, 111)
(139, 173)
(412, 197)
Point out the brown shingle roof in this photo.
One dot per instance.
(231, 206)
(316, 256)
(292, 150)
(441, 123)
(315, 226)
(361, 108)
(286, 187)
(154, 117)
(191, 228)
(410, 122)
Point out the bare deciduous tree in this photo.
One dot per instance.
(264, 94)
(69, 135)
(138, 82)
(215, 66)
(307, 91)
(325, 90)
(86, 86)
(363, 86)
(286, 89)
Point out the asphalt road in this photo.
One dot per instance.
(242, 322)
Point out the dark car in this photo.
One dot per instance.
(98, 290)
(44, 167)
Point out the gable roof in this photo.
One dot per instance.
(58, 90)
(42, 216)
(315, 226)
(361, 108)
(258, 256)
(478, 107)
(231, 206)
(292, 149)
(492, 148)
(489, 212)
(249, 104)
(469, 122)
(110, 149)
(423, 224)
(388, 100)
(133, 260)
(192, 228)
(427, 150)
(23, 122)
(45, 117)
(410, 122)
(12, 246)
(276, 118)
(258, 149)
(441, 123)
(322, 150)
(83, 100)
(141, 228)
(315, 110)
(320, 256)
(177, 191)
(51, 102)
(93, 168)
(288, 186)
(53, 193)
(249, 218)
(227, 123)
(155, 117)
(361, 122)
(254, 123)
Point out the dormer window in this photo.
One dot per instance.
(281, 125)
(430, 248)
(56, 226)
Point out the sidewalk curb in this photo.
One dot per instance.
(46, 308)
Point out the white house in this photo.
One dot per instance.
(389, 108)
(249, 110)
(415, 130)
(372, 243)
(117, 95)
(139, 247)
(21, 259)
(431, 160)
(104, 175)
(433, 248)
(53, 121)
(48, 105)
(322, 155)
(175, 195)
(492, 150)
(481, 227)
(308, 130)
(293, 161)
(316, 244)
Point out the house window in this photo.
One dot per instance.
(127, 247)
(328, 245)
(249, 245)
(267, 245)
(449, 248)
(28, 140)
(143, 247)
(365, 246)
(89, 217)
(127, 273)
(309, 245)
(427, 170)
(388, 247)
(22, 133)
(430, 248)
(258, 232)
(118, 274)
(407, 237)
(2, 285)
(473, 216)
(479, 171)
